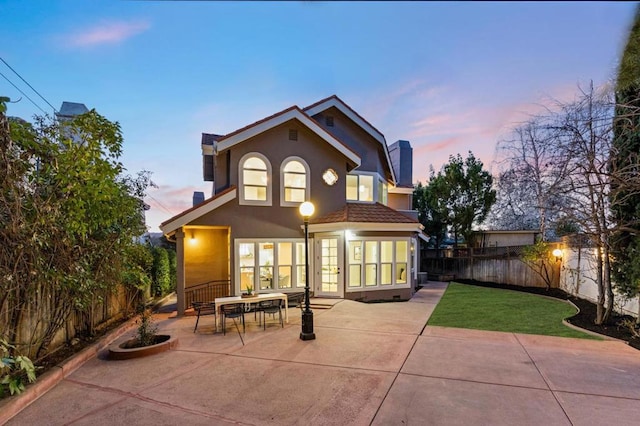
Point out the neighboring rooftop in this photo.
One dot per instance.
(71, 109)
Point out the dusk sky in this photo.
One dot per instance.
(448, 77)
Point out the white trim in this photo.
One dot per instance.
(208, 150)
(400, 190)
(205, 208)
(252, 131)
(269, 188)
(365, 226)
(342, 107)
(334, 102)
(307, 189)
(423, 237)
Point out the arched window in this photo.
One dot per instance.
(255, 179)
(294, 187)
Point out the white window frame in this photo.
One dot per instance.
(295, 285)
(241, 199)
(378, 182)
(378, 286)
(307, 192)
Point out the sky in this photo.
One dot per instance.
(450, 77)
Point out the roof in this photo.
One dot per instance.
(171, 225)
(335, 101)
(210, 138)
(70, 109)
(294, 112)
(365, 217)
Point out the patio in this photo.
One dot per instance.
(370, 364)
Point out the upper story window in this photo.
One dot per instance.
(294, 182)
(255, 179)
(366, 187)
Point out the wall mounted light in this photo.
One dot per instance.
(558, 254)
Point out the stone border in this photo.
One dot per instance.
(12, 405)
(117, 352)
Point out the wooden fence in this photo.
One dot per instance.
(494, 264)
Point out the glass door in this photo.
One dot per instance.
(329, 260)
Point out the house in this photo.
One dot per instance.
(503, 238)
(250, 232)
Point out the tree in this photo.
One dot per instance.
(529, 194)
(68, 213)
(161, 272)
(429, 202)
(625, 198)
(464, 191)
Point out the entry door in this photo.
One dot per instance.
(329, 260)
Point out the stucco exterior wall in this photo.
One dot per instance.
(206, 255)
(400, 201)
(369, 149)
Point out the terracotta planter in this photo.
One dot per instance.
(127, 349)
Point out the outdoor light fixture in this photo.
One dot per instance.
(306, 210)
(558, 254)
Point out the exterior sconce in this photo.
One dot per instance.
(558, 254)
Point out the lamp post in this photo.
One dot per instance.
(306, 210)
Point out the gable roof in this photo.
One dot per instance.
(294, 112)
(363, 216)
(171, 225)
(335, 101)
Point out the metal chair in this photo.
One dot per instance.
(204, 308)
(233, 312)
(270, 307)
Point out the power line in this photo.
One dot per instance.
(27, 83)
(24, 94)
(160, 204)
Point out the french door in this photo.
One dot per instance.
(329, 260)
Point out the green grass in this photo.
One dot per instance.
(481, 308)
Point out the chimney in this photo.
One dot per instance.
(401, 155)
(198, 198)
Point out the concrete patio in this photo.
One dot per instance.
(370, 364)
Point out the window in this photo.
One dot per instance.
(367, 187)
(255, 179)
(270, 265)
(329, 120)
(294, 182)
(374, 264)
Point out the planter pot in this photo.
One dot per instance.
(128, 349)
(248, 296)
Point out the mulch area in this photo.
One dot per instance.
(583, 319)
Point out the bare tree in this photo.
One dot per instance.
(531, 173)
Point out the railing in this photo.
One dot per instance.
(207, 292)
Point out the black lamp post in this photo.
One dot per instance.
(306, 210)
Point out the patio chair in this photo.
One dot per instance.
(203, 308)
(294, 300)
(233, 312)
(270, 307)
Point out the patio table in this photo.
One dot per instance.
(235, 300)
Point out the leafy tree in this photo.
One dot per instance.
(464, 191)
(161, 272)
(537, 257)
(429, 202)
(625, 200)
(68, 214)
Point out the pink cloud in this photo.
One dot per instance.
(106, 33)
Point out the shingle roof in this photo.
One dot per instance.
(363, 212)
(210, 138)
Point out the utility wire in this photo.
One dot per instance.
(160, 204)
(27, 83)
(25, 95)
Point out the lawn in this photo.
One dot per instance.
(481, 308)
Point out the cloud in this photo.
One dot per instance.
(106, 33)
